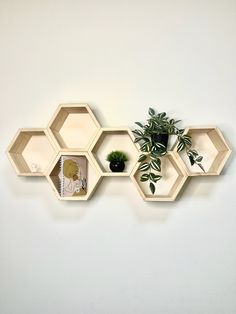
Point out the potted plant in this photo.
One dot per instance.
(117, 161)
(153, 140)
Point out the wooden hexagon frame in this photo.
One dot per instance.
(111, 139)
(210, 143)
(36, 152)
(28, 144)
(73, 127)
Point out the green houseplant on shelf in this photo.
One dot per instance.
(117, 160)
(153, 140)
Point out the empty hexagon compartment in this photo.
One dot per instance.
(31, 152)
(209, 143)
(112, 139)
(73, 126)
(167, 189)
(93, 177)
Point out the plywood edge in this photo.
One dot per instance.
(115, 174)
(200, 127)
(22, 130)
(74, 105)
(114, 130)
(224, 140)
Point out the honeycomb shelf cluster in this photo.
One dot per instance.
(75, 131)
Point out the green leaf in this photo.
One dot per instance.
(157, 177)
(145, 147)
(154, 150)
(144, 177)
(162, 115)
(163, 153)
(157, 125)
(152, 126)
(144, 167)
(190, 153)
(152, 187)
(199, 158)
(137, 139)
(153, 177)
(160, 146)
(177, 121)
(151, 112)
(187, 136)
(139, 124)
(138, 132)
(146, 140)
(156, 164)
(180, 146)
(194, 152)
(171, 130)
(158, 150)
(191, 159)
(153, 156)
(187, 140)
(142, 158)
(200, 166)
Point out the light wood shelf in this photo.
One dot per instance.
(173, 178)
(112, 139)
(93, 176)
(73, 127)
(75, 131)
(211, 144)
(31, 151)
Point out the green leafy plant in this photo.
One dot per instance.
(116, 156)
(152, 151)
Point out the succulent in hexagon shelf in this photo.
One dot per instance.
(117, 160)
(153, 139)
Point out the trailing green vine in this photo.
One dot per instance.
(152, 151)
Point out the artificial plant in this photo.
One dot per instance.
(152, 149)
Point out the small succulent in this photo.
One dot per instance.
(160, 123)
(116, 156)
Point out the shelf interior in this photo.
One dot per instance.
(111, 141)
(32, 152)
(74, 127)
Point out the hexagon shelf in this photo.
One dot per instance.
(73, 126)
(167, 189)
(111, 139)
(210, 143)
(93, 176)
(31, 152)
(74, 131)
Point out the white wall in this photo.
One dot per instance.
(116, 254)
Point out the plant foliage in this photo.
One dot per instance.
(116, 156)
(151, 151)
